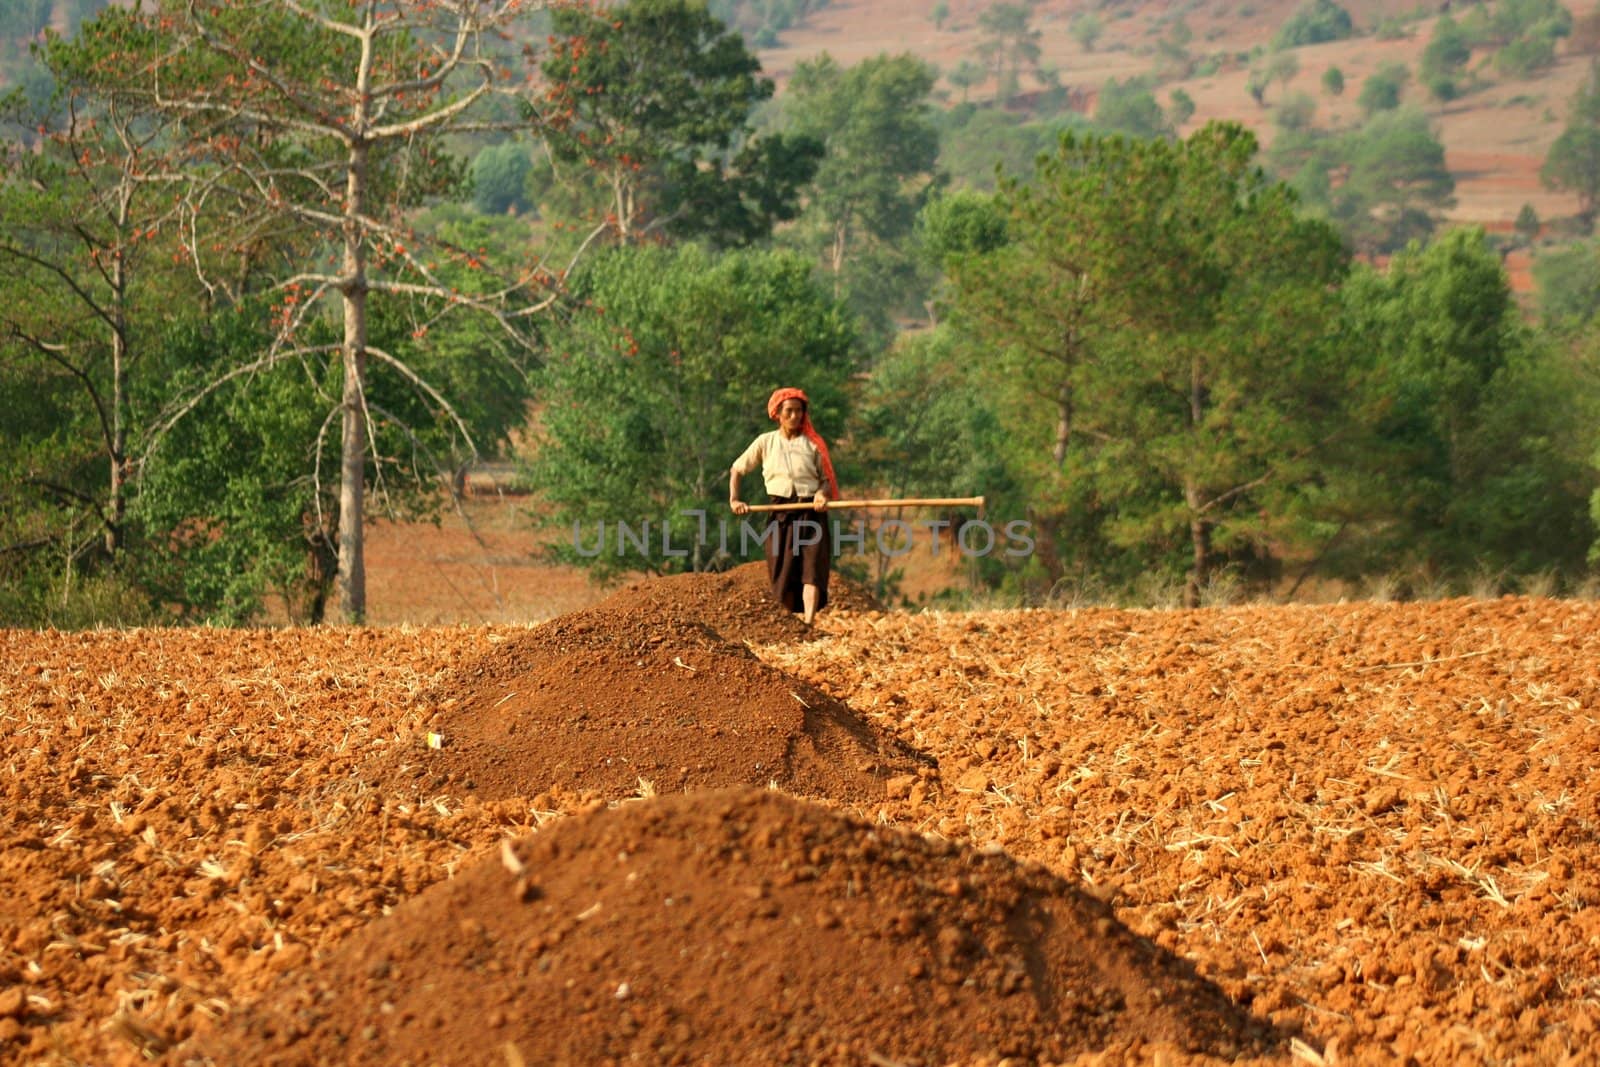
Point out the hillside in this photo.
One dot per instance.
(1495, 138)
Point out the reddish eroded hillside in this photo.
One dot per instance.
(738, 926)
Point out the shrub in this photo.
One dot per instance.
(1314, 22)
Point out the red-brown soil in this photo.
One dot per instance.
(1370, 824)
(736, 603)
(739, 926)
(609, 704)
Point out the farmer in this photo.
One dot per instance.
(794, 463)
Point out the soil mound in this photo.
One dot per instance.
(736, 603)
(739, 926)
(622, 704)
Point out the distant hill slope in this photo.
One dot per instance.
(1495, 138)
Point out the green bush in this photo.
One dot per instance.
(1314, 22)
(1526, 57)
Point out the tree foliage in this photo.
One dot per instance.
(1163, 380)
(649, 398)
(924, 427)
(876, 125)
(1395, 186)
(1086, 28)
(1010, 43)
(1567, 281)
(1444, 59)
(87, 211)
(500, 178)
(323, 122)
(652, 102)
(764, 19)
(1479, 440)
(1573, 162)
(1314, 22)
(1129, 108)
(1381, 91)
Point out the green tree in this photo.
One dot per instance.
(1333, 81)
(25, 19)
(1573, 166)
(1444, 59)
(80, 11)
(1180, 108)
(326, 120)
(1381, 91)
(876, 125)
(1473, 461)
(974, 142)
(763, 18)
(1567, 283)
(925, 427)
(1396, 186)
(646, 406)
(652, 102)
(1512, 20)
(1280, 67)
(87, 215)
(1165, 387)
(1010, 43)
(1585, 109)
(242, 499)
(1173, 61)
(964, 76)
(1527, 225)
(500, 178)
(940, 12)
(1526, 57)
(1297, 111)
(1314, 22)
(1130, 108)
(1086, 28)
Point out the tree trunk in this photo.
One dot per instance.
(1193, 496)
(116, 504)
(353, 286)
(352, 465)
(322, 559)
(1045, 544)
(353, 440)
(1063, 423)
(1200, 539)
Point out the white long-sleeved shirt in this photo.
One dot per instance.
(789, 466)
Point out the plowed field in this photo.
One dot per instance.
(1354, 833)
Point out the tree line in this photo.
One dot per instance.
(266, 267)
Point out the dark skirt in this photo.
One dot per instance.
(792, 565)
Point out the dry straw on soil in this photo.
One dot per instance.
(1371, 825)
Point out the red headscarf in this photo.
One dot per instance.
(775, 401)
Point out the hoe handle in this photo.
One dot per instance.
(904, 502)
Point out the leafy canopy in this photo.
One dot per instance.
(1314, 22)
(654, 100)
(649, 397)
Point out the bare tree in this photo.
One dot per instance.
(325, 117)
